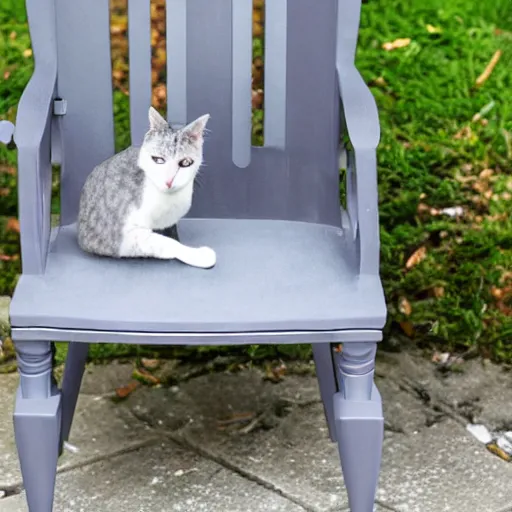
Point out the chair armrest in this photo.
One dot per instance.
(33, 139)
(362, 126)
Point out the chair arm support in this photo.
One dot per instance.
(33, 140)
(362, 127)
(361, 121)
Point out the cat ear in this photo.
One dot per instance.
(156, 121)
(195, 129)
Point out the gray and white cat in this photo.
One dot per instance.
(140, 190)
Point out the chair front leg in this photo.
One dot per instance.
(359, 423)
(37, 420)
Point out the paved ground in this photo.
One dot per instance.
(163, 449)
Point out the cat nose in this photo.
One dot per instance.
(169, 183)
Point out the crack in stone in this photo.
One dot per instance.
(432, 403)
(247, 475)
(17, 488)
(10, 490)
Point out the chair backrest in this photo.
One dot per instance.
(209, 59)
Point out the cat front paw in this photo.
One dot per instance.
(204, 257)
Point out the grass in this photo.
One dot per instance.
(426, 96)
(456, 293)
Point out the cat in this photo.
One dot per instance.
(142, 190)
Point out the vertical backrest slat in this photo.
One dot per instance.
(312, 107)
(85, 82)
(176, 61)
(242, 81)
(209, 67)
(139, 36)
(275, 72)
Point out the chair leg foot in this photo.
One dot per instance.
(73, 373)
(322, 354)
(37, 420)
(359, 424)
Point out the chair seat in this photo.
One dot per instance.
(270, 276)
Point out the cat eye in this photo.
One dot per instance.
(186, 162)
(158, 159)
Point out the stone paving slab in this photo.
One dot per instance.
(288, 451)
(162, 478)
(100, 428)
(442, 469)
(479, 393)
(9, 468)
(430, 463)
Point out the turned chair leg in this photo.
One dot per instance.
(37, 420)
(322, 354)
(73, 372)
(359, 423)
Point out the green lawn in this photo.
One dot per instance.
(457, 293)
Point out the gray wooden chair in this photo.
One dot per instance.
(291, 268)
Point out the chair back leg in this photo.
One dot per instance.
(322, 354)
(73, 373)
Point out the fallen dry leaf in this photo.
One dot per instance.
(500, 452)
(499, 217)
(7, 169)
(438, 291)
(464, 133)
(397, 43)
(380, 81)
(13, 35)
(275, 373)
(404, 306)
(12, 225)
(127, 390)
(416, 257)
(506, 276)
(497, 293)
(408, 328)
(486, 174)
(257, 98)
(146, 377)
(150, 364)
(480, 186)
(422, 208)
(488, 69)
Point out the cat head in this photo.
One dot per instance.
(171, 158)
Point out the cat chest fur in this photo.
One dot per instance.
(159, 210)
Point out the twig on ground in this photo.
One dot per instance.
(489, 69)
